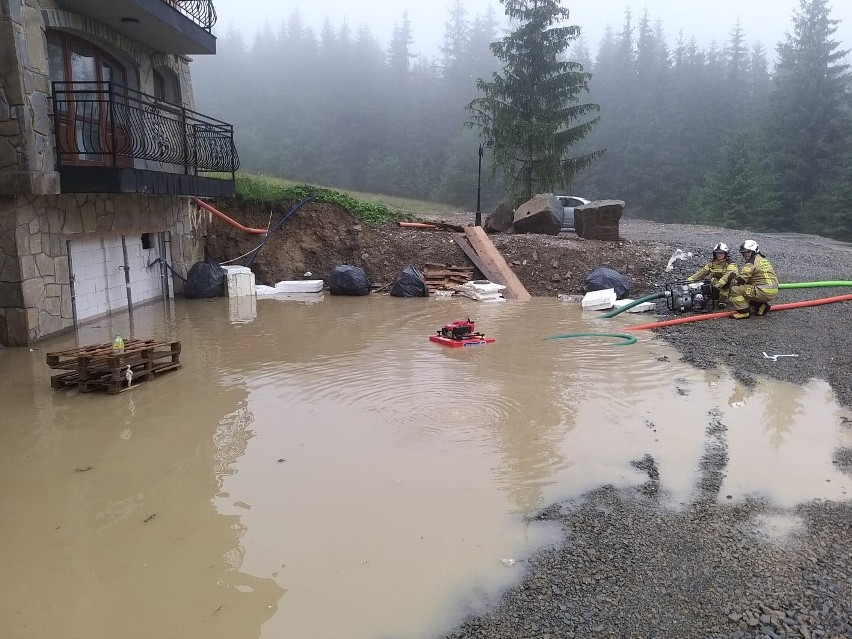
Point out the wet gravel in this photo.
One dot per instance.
(820, 336)
(632, 564)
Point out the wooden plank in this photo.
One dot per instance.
(464, 245)
(496, 265)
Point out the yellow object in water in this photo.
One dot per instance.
(118, 343)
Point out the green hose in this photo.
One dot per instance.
(641, 300)
(656, 296)
(628, 339)
(826, 284)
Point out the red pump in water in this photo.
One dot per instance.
(460, 333)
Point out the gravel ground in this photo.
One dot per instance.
(631, 566)
(820, 336)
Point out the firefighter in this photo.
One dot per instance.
(757, 284)
(722, 272)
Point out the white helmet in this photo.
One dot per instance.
(721, 246)
(749, 245)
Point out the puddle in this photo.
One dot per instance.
(327, 457)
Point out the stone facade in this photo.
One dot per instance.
(35, 283)
(36, 219)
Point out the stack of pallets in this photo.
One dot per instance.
(99, 367)
(440, 277)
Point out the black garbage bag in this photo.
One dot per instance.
(205, 279)
(410, 283)
(349, 280)
(603, 278)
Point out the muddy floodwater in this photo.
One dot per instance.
(323, 470)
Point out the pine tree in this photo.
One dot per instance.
(454, 50)
(399, 51)
(809, 119)
(739, 192)
(531, 109)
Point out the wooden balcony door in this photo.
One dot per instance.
(90, 123)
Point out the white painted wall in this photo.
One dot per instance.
(99, 285)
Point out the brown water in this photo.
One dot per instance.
(324, 471)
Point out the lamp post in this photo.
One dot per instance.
(487, 144)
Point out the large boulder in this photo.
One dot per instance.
(599, 220)
(539, 215)
(500, 220)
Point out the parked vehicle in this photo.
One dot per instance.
(569, 203)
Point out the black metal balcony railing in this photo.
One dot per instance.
(106, 124)
(201, 12)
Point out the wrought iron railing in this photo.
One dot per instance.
(201, 12)
(106, 124)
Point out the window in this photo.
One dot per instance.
(166, 86)
(85, 132)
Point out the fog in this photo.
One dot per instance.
(761, 20)
(721, 126)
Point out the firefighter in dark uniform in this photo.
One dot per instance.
(721, 272)
(757, 284)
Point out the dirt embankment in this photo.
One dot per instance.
(320, 236)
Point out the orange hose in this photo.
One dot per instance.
(225, 218)
(418, 225)
(778, 307)
(679, 320)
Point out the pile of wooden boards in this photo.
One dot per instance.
(100, 367)
(440, 277)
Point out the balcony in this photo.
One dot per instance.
(111, 139)
(181, 27)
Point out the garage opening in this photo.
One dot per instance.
(108, 273)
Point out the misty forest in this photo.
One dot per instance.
(731, 134)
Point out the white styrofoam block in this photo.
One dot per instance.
(236, 269)
(483, 286)
(599, 300)
(240, 284)
(263, 289)
(299, 286)
(481, 297)
(644, 307)
(482, 291)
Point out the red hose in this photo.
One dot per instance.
(225, 218)
(778, 307)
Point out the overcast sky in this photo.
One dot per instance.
(764, 20)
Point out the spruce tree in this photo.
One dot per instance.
(531, 108)
(809, 121)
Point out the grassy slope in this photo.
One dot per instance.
(370, 207)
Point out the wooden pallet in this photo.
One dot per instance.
(446, 278)
(99, 367)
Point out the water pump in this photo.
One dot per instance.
(685, 297)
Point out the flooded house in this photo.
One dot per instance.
(101, 154)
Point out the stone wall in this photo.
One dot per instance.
(35, 285)
(26, 143)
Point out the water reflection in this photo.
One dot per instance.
(328, 457)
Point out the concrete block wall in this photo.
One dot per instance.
(100, 287)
